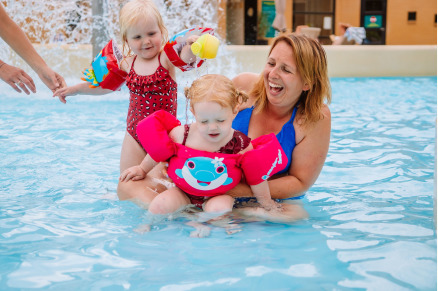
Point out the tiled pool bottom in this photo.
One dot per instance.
(370, 224)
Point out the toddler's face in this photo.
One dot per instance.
(214, 121)
(144, 38)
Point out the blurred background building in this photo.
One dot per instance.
(391, 22)
(239, 22)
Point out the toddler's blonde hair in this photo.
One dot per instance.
(134, 10)
(215, 88)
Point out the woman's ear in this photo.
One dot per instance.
(306, 87)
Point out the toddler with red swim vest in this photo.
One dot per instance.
(208, 157)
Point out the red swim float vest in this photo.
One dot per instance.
(204, 173)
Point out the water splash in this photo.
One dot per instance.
(72, 21)
(54, 24)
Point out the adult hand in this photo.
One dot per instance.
(17, 78)
(51, 79)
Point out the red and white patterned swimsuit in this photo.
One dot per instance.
(149, 94)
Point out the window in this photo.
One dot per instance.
(315, 13)
(373, 5)
(412, 16)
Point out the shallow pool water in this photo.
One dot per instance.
(371, 211)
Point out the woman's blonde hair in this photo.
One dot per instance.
(135, 10)
(215, 88)
(311, 62)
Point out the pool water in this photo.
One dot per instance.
(371, 223)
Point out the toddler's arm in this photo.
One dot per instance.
(81, 89)
(186, 53)
(263, 195)
(138, 172)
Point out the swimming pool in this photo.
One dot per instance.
(371, 211)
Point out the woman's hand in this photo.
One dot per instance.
(17, 78)
(134, 173)
(270, 205)
(51, 79)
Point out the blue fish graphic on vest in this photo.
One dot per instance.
(204, 173)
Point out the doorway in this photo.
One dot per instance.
(373, 19)
(250, 22)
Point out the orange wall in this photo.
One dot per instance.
(398, 30)
(401, 31)
(347, 11)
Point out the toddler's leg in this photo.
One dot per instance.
(169, 201)
(219, 204)
(132, 153)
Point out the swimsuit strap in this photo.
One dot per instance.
(159, 56)
(133, 61)
(293, 114)
(135, 57)
(186, 133)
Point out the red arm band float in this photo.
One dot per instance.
(153, 133)
(266, 159)
(105, 71)
(175, 44)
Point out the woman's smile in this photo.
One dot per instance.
(275, 88)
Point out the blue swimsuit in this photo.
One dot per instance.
(286, 136)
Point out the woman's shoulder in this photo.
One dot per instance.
(325, 114)
(245, 81)
(319, 128)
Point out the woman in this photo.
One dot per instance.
(286, 99)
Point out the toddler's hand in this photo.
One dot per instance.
(64, 92)
(191, 39)
(134, 173)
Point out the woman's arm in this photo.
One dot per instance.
(15, 37)
(308, 159)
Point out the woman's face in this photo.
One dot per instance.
(283, 82)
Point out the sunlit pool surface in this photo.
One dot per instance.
(371, 211)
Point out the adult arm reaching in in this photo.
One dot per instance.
(12, 34)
